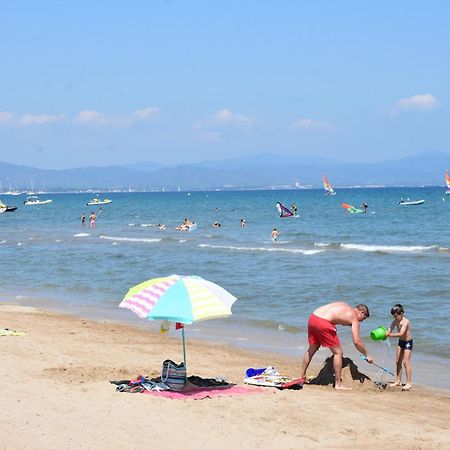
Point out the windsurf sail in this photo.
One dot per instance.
(447, 180)
(327, 186)
(351, 209)
(283, 211)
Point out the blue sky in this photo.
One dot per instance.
(107, 82)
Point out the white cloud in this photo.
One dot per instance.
(146, 113)
(89, 117)
(420, 102)
(224, 117)
(41, 119)
(312, 125)
(6, 117)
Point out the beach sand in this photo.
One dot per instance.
(56, 394)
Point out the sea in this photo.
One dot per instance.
(391, 254)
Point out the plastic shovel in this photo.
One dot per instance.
(364, 358)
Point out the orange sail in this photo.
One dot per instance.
(327, 186)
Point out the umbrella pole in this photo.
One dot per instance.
(184, 347)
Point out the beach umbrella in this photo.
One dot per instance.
(179, 298)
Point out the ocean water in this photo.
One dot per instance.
(392, 254)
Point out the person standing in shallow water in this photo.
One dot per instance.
(83, 219)
(275, 234)
(322, 332)
(92, 219)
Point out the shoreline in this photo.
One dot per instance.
(239, 335)
(56, 386)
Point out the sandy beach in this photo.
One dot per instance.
(56, 394)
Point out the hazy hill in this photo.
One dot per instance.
(258, 171)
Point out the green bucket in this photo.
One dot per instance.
(378, 334)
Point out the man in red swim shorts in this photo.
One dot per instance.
(322, 332)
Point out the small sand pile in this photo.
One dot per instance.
(350, 373)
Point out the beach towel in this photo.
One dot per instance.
(271, 378)
(141, 384)
(200, 393)
(8, 332)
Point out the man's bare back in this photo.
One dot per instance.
(338, 313)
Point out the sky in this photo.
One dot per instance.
(100, 83)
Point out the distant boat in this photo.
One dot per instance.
(447, 181)
(11, 192)
(327, 186)
(6, 208)
(96, 201)
(33, 200)
(410, 202)
(284, 212)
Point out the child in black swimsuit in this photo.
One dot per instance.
(405, 344)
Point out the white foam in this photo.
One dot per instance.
(388, 248)
(81, 235)
(126, 239)
(263, 249)
(3, 242)
(322, 244)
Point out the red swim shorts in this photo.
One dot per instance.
(322, 332)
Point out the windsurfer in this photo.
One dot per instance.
(322, 332)
(364, 206)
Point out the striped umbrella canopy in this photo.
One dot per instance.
(179, 298)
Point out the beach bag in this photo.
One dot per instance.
(173, 375)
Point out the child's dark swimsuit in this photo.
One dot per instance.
(405, 345)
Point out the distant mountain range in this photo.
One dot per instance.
(249, 172)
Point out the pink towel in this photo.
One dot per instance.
(199, 393)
